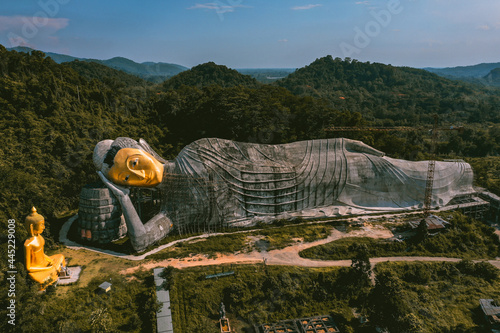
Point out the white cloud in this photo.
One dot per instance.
(484, 27)
(433, 42)
(283, 40)
(217, 6)
(306, 7)
(362, 2)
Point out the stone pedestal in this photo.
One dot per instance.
(69, 275)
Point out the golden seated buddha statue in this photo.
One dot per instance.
(42, 268)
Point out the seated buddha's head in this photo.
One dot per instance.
(35, 223)
(127, 162)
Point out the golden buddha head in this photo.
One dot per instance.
(127, 162)
(34, 222)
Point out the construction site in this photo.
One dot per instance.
(318, 324)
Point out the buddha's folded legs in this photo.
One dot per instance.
(59, 261)
(48, 276)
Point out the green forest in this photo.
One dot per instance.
(413, 297)
(464, 238)
(52, 115)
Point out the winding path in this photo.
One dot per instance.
(288, 256)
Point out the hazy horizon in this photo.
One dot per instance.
(259, 34)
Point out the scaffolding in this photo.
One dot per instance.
(471, 206)
(317, 324)
(183, 199)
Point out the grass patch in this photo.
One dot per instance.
(465, 238)
(340, 249)
(209, 246)
(94, 265)
(130, 306)
(279, 238)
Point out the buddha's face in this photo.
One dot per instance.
(135, 167)
(38, 227)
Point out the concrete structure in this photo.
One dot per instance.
(105, 287)
(164, 315)
(214, 183)
(100, 218)
(73, 275)
(319, 324)
(494, 208)
(491, 311)
(434, 223)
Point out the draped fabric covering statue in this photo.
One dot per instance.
(222, 182)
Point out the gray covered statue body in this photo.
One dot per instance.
(216, 182)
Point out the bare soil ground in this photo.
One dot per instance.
(287, 256)
(290, 255)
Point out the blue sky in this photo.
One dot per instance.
(258, 33)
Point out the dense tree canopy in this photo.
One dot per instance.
(209, 74)
(51, 119)
(394, 95)
(52, 115)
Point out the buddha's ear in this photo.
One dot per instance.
(31, 230)
(150, 150)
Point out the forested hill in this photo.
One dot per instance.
(112, 77)
(51, 118)
(52, 115)
(210, 74)
(151, 71)
(393, 95)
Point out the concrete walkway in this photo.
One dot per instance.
(164, 314)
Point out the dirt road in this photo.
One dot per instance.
(290, 255)
(287, 256)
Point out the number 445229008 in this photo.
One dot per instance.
(11, 248)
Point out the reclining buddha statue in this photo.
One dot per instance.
(226, 183)
(41, 268)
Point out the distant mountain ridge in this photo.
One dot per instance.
(151, 71)
(493, 77)
(474, 71)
